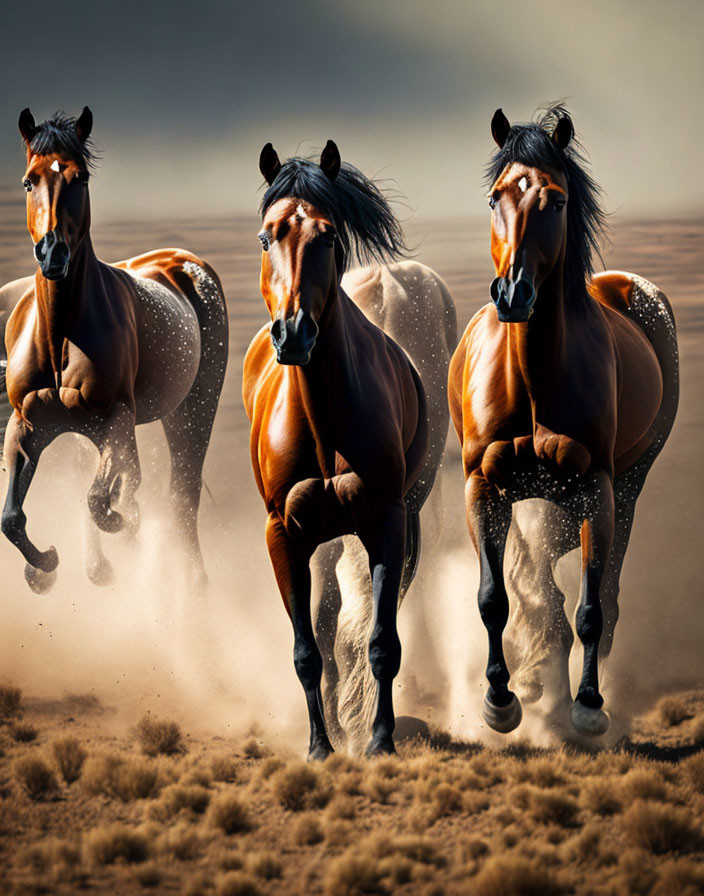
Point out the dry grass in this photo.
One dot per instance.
(160, 737)
(115, 842)
(149, 875)
(182, 841)
(661, 828)
(10, 701)
(225, 767)
(693, 768)
(429, 821)
(307, 830)
(350, 875)
(601, 795)
(176, 798)
(23, 732)
(229, 813)
(254, 748)
(673, 711)
(69, 756)
(513, 875)
(265, 864)
(238, 883)
(36, 777)
(300, 785)
(122, 777)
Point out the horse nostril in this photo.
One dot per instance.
(496, 288)
(278, 331)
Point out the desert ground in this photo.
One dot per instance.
(150, 742)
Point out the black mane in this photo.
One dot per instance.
(367, 229)
(532, 144)
(58, 135)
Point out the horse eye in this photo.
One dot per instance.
(492, 203)
(27, 184)
(83, 177)
(264, 240)
(558, 205)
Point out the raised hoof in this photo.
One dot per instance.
(48, 560)
(503, 718)
(588, 721)
(100, 573)
(320, 751)
(111, 521)
(380, 746)
(39, 581)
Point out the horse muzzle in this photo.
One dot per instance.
(53, 256)
(293, 338)
(514, 299)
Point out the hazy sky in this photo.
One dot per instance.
(185, 94)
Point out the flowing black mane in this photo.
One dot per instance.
(532, 144)
(58, 135)
(367, 228)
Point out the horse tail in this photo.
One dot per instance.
(356, 687)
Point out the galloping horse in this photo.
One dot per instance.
(412, 304)
(339, 428)
(565, 388)
(95, 349)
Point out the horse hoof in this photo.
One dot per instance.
(588, 721)
(380, 746)
(503, 718)
(39, 581)
(320, 751)
(48, 560)
(100, 573)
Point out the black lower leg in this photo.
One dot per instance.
(386, 550)
(490, 518)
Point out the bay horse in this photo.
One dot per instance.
(96, 349)
(412, 304)
(564, 387)
(338, 415)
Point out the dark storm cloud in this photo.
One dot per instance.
(209, 65)
(186, 93)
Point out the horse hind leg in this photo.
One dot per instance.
(119, 474)
(326, 584)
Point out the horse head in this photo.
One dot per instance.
(528, 222)
(299, 267)
(56, 181)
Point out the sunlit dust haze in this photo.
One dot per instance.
(184, 96)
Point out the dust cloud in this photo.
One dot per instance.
(223, 662)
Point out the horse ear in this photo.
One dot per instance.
(84, 125)
(27, 126)
(330, 160)
(269, 163)
(500, 126)
(564, 132)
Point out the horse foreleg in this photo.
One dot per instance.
(23, 447)
(489, 518)
(291, 561)
(119, 473)
(385, 543)
(596, 538)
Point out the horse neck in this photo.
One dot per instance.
(538, 346)
(325, 379)
(59, 302)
